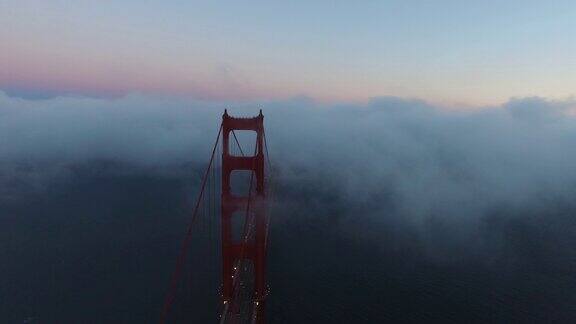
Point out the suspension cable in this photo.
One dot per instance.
(237, 143)
(184, 249)
(266, 150)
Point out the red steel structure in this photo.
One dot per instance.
(243, 263)
(251, 247)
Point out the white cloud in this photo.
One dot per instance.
(433, 160)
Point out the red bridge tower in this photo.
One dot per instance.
(250, 247)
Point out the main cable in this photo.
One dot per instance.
(184, 249)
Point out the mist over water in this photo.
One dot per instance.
(394, 210)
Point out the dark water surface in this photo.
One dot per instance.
(100, 249)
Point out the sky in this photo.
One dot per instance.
(446, 52)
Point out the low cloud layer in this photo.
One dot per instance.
(433, 160)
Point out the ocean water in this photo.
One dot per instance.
(100, 247)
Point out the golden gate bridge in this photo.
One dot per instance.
(234, 200)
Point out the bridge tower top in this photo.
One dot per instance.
(243, 123)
